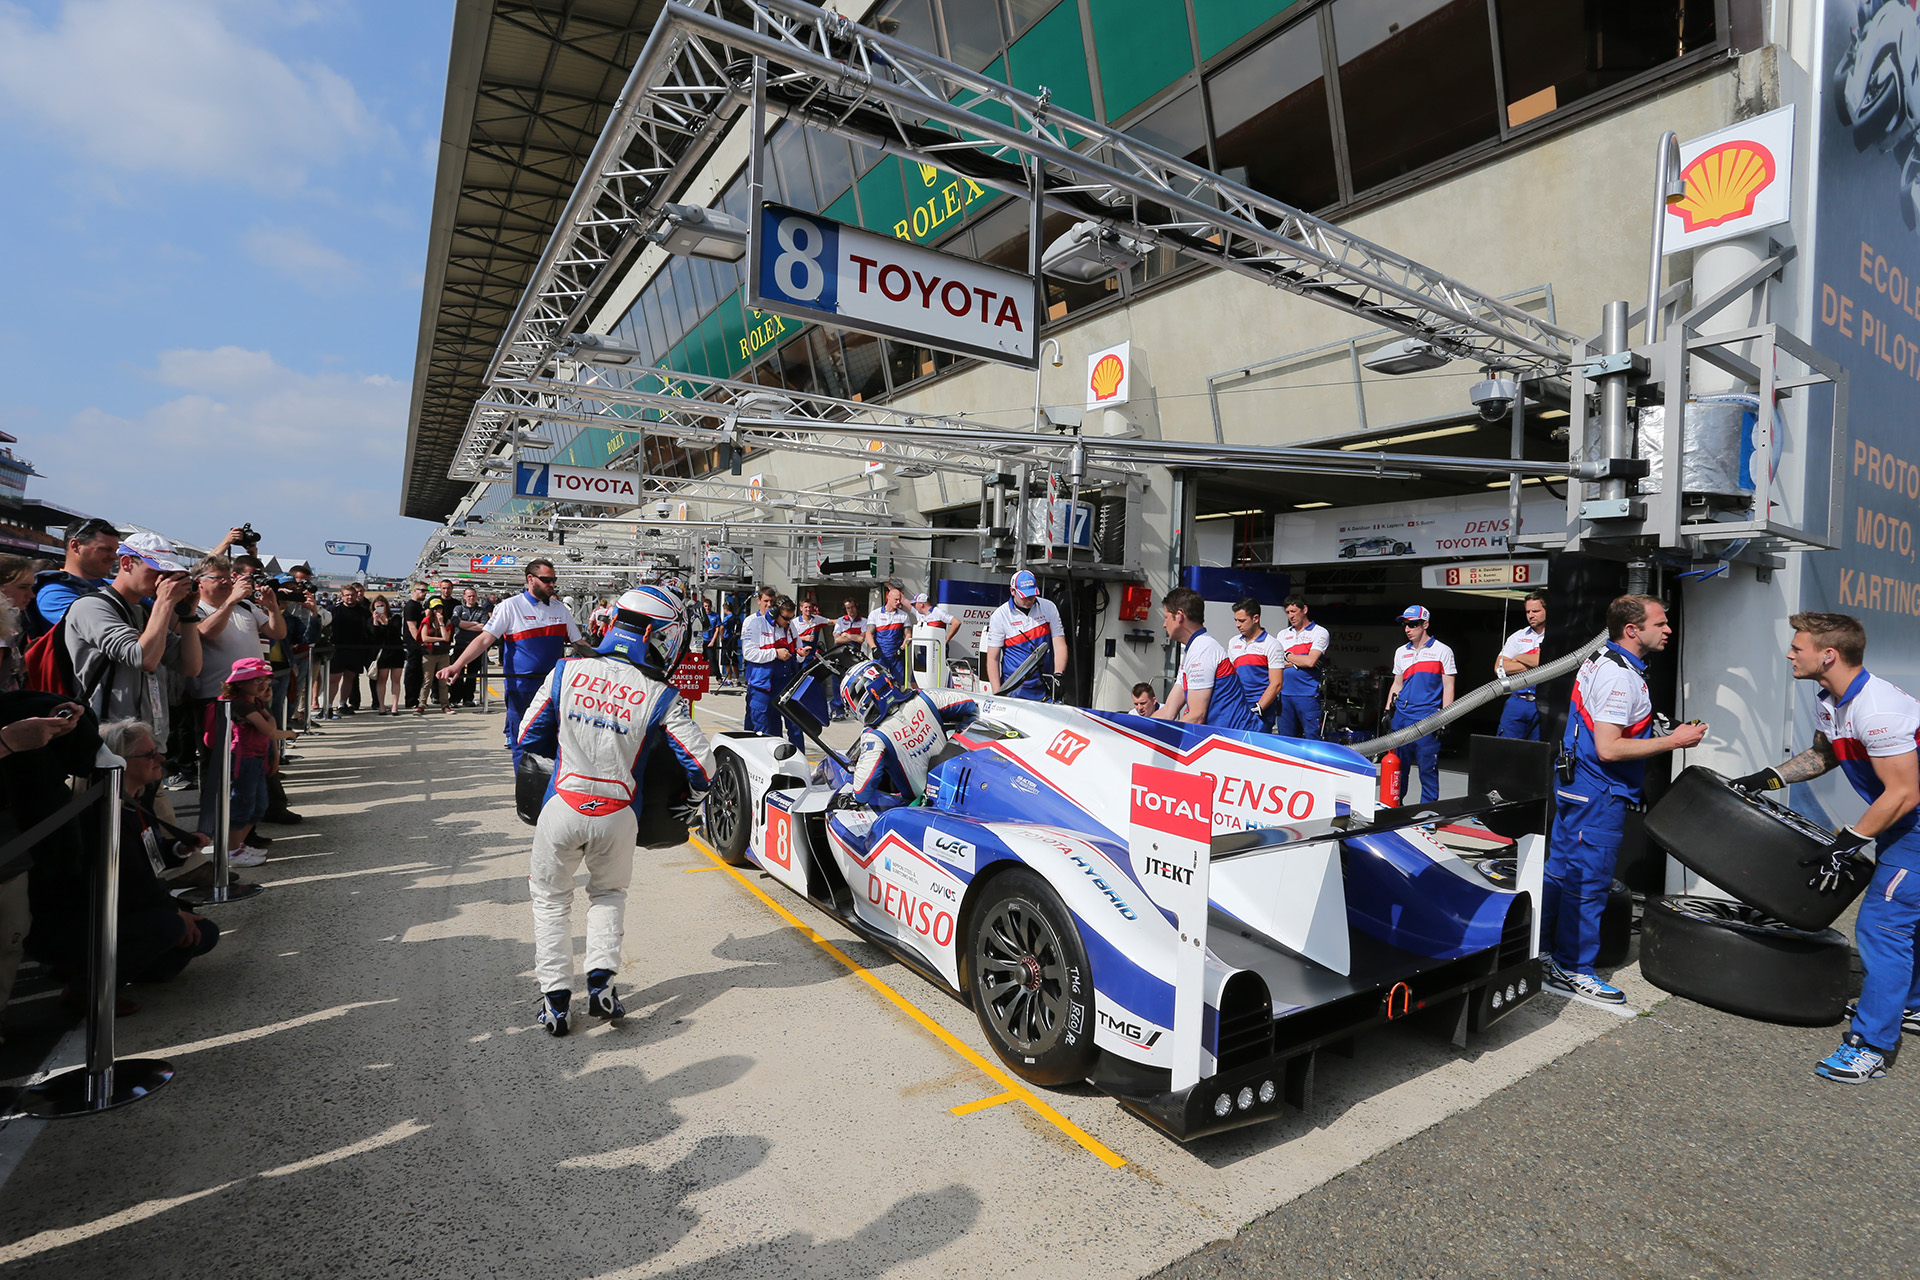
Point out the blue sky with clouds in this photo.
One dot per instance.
(212, 247)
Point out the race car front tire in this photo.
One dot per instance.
(1731, 957)
(1031, 985)
(730, 809)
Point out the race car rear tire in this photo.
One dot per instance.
(730, 809)
(1734, 958)
(1031, 985)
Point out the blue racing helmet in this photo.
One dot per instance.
(870, 691)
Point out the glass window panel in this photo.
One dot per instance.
(1220, 22)
(1143, 46)
(832, 164)
(1416, 83)
(1024, 13)
(653, 299)
(973, 32)
(1555, 52)
(733, 334)
(906, 363)
(795, 362)
(703, 293)
(1270, 120)
(829, 364)
(1179, 127)
(682, 279)
(734, 198)
(1054, 54)
(883, 201)
(910, 21)
(866, 371)
(1001, 237)
(788, 149)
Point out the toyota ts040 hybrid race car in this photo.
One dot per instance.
(1182, 916)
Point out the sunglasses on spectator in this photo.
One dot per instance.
(1413, 624)
(155, 754)
(537, 578)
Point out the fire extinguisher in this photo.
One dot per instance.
(1389, 773)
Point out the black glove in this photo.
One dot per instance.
(1765, 780)
(1840, 862)
(689, 812)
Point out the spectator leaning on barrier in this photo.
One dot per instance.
(23, 733)
(157, 936)
(118, 646)
(92, 550)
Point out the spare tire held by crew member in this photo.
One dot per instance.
(1748, 846)
(1731, 957)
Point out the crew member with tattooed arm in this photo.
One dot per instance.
(1866, 727)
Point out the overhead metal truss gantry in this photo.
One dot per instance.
(829, 73)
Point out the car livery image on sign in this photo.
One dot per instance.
(814, 268)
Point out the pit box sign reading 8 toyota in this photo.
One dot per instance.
(813, 268)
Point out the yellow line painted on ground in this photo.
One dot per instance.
(980, 1104)
(696, 870)
(1015, 1091)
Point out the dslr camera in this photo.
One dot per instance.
(248, 538)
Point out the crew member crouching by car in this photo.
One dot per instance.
(1604, 754)
(599, 718)
(1866, 727)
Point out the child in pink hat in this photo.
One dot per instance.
(249, 689)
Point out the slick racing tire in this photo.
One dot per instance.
(1731, 957)
(730, 809)
(1616, 921)
(1749, 846)
(1031, 985)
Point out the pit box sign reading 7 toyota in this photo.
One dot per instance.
(813, 268)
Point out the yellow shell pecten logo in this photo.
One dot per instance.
(1106, 377)
(1722, 184)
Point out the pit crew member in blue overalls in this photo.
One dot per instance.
(1206, 692)
(1866, 727)
(600, 718)
(812, 636)
(1520, 717)
(1027, 621)
(534, 630)
(905, 732)
(1302, 644)
(767, 649)
(886, 632)
(1423, 672)
(1604, 753)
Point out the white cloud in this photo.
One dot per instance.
(295, 253)
(304, 457)
(172, 88)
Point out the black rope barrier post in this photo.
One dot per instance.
(102, 1083)
(220, 891)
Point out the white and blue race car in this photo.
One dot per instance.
(1180, 915)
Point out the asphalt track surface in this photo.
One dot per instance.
(362, 1091)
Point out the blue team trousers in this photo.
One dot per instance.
(1422, 751)
(1299, 716)
(1889, 912)
(1580, 858)
(518, 697)
(763, 712)
(1519, 718)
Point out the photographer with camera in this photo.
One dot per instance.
(118, 646)
(232, 618)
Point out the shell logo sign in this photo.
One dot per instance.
(1738, 180)
(1107, 376)
(1723, 183)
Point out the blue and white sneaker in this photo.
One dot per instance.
(553, 1011)
(604, 1002)
(1854, 1062)
(1909, 1018)
(1568, 983)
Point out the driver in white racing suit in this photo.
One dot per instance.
(600, 718)
(906, 730)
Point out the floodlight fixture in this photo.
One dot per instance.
(1090, 252)
(1408, 355)
(690, 231)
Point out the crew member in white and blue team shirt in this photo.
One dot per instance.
(812, 636)
(1423, 672)
(1302, 645)
(1255, 655)
(1027, 621)
(929, 614)
(1520, 717)
(534, 631)
(1609, 737)
(1866, 727)
(886, 632)
(767, 649)
(1206, 692)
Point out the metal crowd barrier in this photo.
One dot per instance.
(104, 1082)
(219, 891)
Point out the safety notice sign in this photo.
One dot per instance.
(814, 268)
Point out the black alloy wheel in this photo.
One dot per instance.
(730, 810)
(1031, 985)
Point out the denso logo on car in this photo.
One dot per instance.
(1180, 804)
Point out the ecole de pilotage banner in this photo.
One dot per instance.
(1866, 265)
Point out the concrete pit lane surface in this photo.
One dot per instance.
(362, 1088)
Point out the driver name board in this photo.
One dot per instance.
(814, 268)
